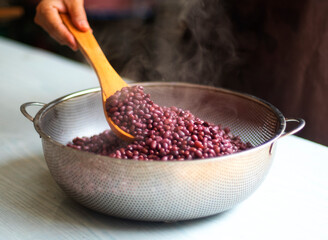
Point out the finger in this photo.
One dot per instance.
(61, 32)
(77, 14)
(64, 37)
(49, 19)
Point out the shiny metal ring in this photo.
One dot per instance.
(300, 125)
(28, 104)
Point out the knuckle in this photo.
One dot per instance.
(75, 7)
(41, 7)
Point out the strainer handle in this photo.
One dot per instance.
(28, 104)
(300, 125)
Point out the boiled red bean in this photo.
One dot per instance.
(161, 133)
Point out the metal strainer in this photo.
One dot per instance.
(155, 190)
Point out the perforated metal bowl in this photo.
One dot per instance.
(155, 190)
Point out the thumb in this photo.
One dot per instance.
(77, 13)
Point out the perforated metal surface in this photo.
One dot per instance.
(160, 191)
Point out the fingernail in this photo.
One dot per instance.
(84, 24)
(73, 47)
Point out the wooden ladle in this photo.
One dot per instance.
(109, 80)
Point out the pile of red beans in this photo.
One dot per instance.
(161, 133)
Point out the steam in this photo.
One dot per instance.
(187, 41)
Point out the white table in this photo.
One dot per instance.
(292, 202)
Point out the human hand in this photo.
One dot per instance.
(47, 16)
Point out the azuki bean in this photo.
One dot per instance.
(161, 133)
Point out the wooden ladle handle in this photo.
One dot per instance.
(110, 81)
